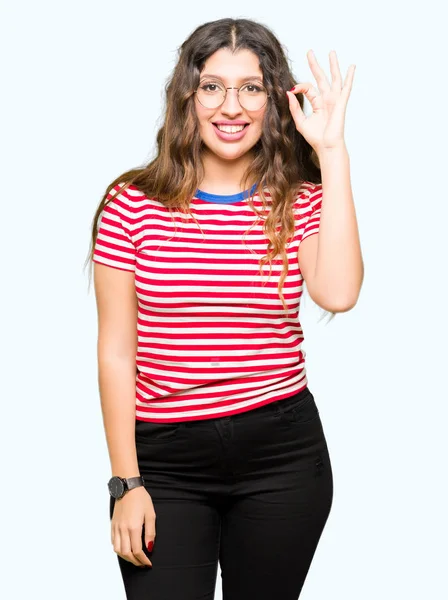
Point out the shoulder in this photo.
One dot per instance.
(307, 199)
(127, 203)
(125, 195)
(315, 196)
(309, 193)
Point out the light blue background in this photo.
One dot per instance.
(81, 103)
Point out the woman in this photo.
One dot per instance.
(217, 449)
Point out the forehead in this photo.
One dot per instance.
(230, 66)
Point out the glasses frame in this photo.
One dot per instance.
(238, 96)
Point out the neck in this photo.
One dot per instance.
(224, 176)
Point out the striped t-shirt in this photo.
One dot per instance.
(212, 340)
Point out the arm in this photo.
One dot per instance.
(331, 261)
(117, 347)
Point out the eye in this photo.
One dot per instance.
(252, 88)
(211, 87)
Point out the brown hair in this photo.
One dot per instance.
(283, 159)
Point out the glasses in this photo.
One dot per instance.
(251, 96)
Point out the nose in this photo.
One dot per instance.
(231, 105)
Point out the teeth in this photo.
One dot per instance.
(230, 128)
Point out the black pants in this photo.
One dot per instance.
(251, 492)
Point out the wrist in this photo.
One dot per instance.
(119, 486)
(331, 150)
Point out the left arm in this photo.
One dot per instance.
(331, 261)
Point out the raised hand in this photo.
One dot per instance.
(324, 128)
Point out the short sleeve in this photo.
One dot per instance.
(315, 204)
(114, 246)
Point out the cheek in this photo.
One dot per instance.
(258, 126)
(202, 114)
(258, 122)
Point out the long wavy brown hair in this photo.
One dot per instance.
(282, 158)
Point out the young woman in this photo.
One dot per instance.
(217, 449)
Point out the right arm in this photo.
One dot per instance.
(117, 348)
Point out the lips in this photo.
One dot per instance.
(230, 137)
(236, 122)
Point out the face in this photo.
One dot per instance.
(233, 70)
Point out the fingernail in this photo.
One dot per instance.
(292, 89)
(150, 546)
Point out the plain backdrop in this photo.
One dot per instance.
(82, 93)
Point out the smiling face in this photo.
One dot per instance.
(231, 70)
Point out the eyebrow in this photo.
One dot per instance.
(260, 78)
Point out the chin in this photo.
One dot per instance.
(235, 155)
(229, 152)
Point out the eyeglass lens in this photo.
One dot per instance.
(252, 96)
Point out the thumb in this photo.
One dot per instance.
(296, 111)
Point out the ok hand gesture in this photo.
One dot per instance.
(324, 128)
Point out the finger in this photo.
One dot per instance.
(296, 110)
(117, 541)
(310, 92)
(318, 72)
(150, 531)
(307, 88)
(126, 549)
(136, 546)
(336, 77)
(345, 92)
(348, 83)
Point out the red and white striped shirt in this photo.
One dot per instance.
(212, 340)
